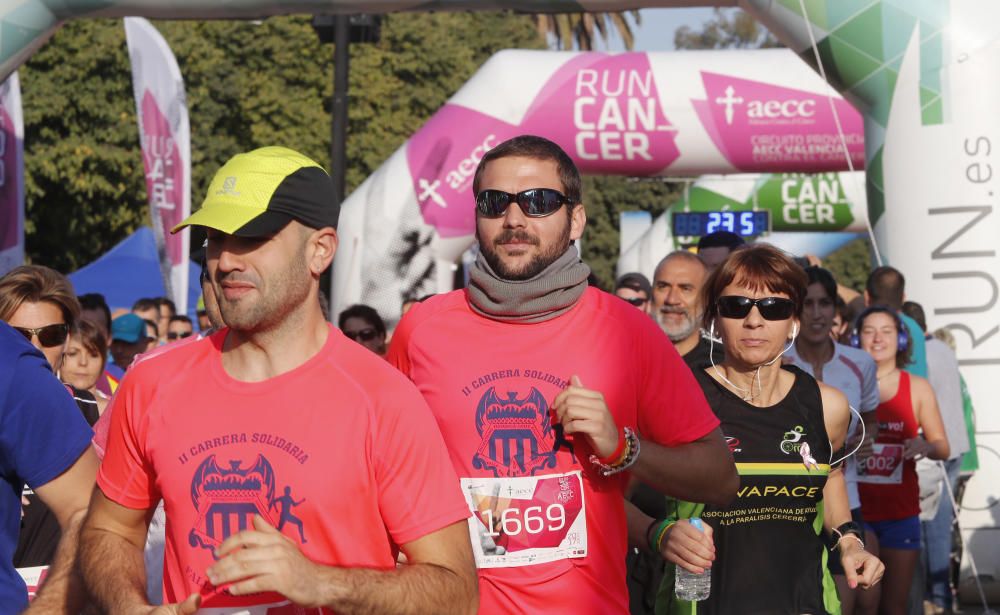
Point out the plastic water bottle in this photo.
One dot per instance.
(691, 586)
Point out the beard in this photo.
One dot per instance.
(275, 298)
(538, 262)
(679, 331)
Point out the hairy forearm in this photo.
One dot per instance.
(413, 589)
(700, 471)
(114, 571)
(63, 591)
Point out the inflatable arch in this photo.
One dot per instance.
(923, 74)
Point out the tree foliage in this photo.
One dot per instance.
(583, 29)
(248, 84)
(728, 29)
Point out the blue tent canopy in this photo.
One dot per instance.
(130, 271)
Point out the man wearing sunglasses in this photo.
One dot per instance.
(179, 327)
(634, 288)
(294, 465)
(546, 390)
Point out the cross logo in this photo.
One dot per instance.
(229, 187)
(729, 101)
(429, 191)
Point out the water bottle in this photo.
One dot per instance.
(691, 586)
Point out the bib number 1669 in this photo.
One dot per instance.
(532, 520)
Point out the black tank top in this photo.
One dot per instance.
(769, 557)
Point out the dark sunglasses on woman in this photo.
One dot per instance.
(364, 335)
(535, 203)
(48, 336)
(770, 308)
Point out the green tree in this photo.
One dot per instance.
(728, 29)
(248, 84)
(583, 29)
(851, 264)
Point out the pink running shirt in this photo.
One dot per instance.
(340, 454)
(548, 532)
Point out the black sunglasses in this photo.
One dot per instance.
(48, 336)
(535, 203)
(636, 301)
(178, 335)
(364, 335)
(771, 308)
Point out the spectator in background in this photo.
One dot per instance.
(129, 337)
(887, 286)
(152, 335)
(677, 307)
(94, 308)
(841, 330)
(910, 427)
(945, 379)
(210, 320)
(147, 309)
(852, 372)
(362, 324)
(635, 289)
(179, 327)
(84, 359)
(714, 248)
(165, 310)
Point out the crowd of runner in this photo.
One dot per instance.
(527, 444)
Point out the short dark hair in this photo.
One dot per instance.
(539, 148)
(760, 266)
(365, 313)
(92, 338)
(886, 286)
(915, 311)
(721, 239)
(96, 301)
(163, 301)
(180, 318)
(146, 304)
(635, 281)
(823, 277)
(152, 323)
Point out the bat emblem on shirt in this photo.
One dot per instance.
(517, 434)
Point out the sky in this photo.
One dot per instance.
(656, 33)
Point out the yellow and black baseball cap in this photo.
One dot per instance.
(257, 193)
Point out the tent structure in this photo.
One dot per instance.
(131, 271)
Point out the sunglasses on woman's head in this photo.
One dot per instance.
(771, 308)
(48, 336)
(535, 203)
(364, 335)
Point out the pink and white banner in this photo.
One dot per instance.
(11, 176)
(161, 108)
(633, 114)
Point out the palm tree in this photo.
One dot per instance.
(580, 28)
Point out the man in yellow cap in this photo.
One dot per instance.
(294, 464)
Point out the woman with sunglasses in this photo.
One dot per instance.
(783, 429)
(362, 324)
(910, 427)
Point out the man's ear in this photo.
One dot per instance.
(577, 221)
(322, 245)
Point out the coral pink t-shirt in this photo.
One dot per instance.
(340, 454)
(548, 531)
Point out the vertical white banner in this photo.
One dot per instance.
(11, 176)
(161, 108)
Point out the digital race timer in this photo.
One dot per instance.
(743, 223)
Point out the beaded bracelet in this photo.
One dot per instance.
(843, 536)
(627, 459)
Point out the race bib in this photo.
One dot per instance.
(883, 466)
(526, 520)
